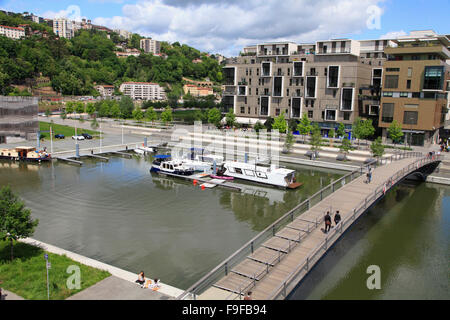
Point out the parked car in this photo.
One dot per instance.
(77, 137)
(59, 136)
(86, 136)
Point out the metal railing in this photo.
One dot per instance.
(303, 267)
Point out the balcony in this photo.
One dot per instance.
(423, 48)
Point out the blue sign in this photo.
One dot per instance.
(46, 256)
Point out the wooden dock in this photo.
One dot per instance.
(70, 160)
(204, 179)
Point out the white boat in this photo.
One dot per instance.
(261, 173)
(147, 149)
(176, 167)
(139, 151)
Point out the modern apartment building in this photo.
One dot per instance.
(63, 27)
(416, 76)
(150, 46)
(18, 118)
(12, 32)
(327, 80)
(143, 90)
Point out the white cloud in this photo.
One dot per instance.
(73, 12)
(225, 27)
(394, 35)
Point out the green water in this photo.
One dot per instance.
(407, 234)
(118, 213)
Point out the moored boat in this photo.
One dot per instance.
(261, 173)
(25, 154)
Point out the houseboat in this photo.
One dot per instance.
(164, 164)
(261, 173)
(201, 160)
(25, 154)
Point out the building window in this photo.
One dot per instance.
(391, 82)
(434, 77)
(409, 72)
(333, 76)
(347, 99)
(310, 114)
(311, 87)
(387, 114)
(277, 112)
(242, 109)
(330, 115)
(408, 84)
(346, 116)
(410, 117)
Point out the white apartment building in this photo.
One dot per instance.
(150, 46)
(63, 28)
(143, 90)
(12, 32)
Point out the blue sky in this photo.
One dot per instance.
(225, 26)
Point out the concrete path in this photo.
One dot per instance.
(114, 288)
(8, 295)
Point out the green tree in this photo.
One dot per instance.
(346, 146)
(280, 124)
(395, 132)
(90, 108)
(340, 130)
(377, 148)
(316, 138)
(79, 107)
(258, 126)
(166, 115)
(138, 114)
(289, 141)
(268, 123)
(214, 116)
(230, 118)
(69, 107)
(126, 107)
(47, 112)
(63, 115)
(151, 115)
(114, 110)
(358, 129)
(304, 127)
(15, 219)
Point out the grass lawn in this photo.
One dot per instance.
(26, 275)
(67, 131)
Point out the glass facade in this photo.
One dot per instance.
(18, 118)
(433, 78)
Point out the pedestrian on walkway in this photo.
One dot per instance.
(248, 296)
(141, 279)
(337, 217)
(369, 174)
(327, 222)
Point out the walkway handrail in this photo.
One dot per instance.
(357, 211)
(250, 244)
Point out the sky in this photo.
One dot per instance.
(226, 26)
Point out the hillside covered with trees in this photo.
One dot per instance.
(75, 65)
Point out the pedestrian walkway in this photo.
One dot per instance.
(8, 295)
(114, 288)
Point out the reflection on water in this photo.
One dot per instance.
(406, 235)
(118, 213)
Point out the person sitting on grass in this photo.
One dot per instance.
(141, 279)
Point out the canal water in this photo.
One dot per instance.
(406, 234)
(118, 213)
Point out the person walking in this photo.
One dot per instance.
(369, 175)
(337, 217)
(248, 296)
(327, 222)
